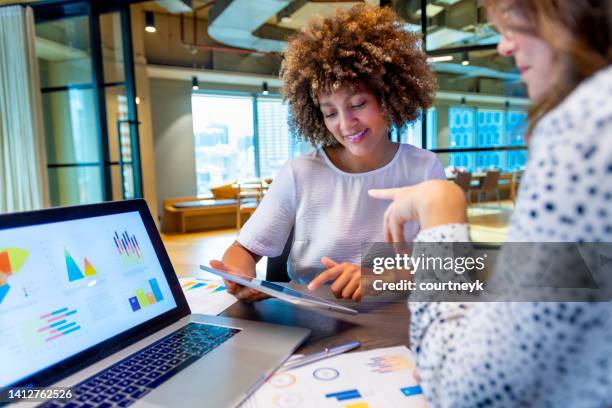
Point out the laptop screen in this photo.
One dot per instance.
(67, 286)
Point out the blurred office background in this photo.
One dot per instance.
(170, 98)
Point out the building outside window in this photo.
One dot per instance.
(474, 128)
(223, 130)
(274, 143)
(224, 137)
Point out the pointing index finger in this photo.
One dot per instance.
(385, 194)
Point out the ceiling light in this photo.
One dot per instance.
(466, 59)
(441, 58)
(150, 22)
(431, 10)
(194, 83)
(264, 88)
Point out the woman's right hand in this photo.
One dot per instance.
(241, 292)
(431, 203)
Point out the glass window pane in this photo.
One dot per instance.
(461, 127)
(223, 134)
(128, 181)
(479, 72)
(70, 130)
(63, 51)
(274, 142)
(299, 146)
(412, 133)
(477, 162)
(466, 126)
(112, 47)
(456, 23)
(516, 126)
(118, 128)
(75, 185)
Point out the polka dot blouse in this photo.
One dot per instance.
(534, 354)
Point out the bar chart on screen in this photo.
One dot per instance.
(143, 299)
(128, 249)
(49, 328)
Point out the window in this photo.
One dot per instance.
(274, 142)
(471, 127)
(412, 133)
(224, 138)
(223, 134)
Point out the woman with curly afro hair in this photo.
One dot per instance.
(347, 79)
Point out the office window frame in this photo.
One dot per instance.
(50, 10)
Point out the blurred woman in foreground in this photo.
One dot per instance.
(530, 354)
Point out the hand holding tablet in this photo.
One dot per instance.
(243, 293)
(280, 292)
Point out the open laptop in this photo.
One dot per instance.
(89, 300)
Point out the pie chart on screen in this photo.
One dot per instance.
(11, 261)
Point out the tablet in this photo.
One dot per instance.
(281, 292)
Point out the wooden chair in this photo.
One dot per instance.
(464, 180)
(489, 185)
(248, 196)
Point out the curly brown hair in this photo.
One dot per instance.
(364, 45)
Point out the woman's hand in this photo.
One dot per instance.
(346, 277)
(431, 203)
(241, 292)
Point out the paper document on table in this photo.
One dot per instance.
(374, 378)
(206, 296)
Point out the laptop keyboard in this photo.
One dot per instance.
(133, 377)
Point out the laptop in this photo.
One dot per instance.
(89, 300)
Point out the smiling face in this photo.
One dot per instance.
(356, 120)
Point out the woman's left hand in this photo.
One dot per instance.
(346, 277)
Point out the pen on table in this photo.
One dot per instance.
(327, 352)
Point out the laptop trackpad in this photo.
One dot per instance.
(218, 379)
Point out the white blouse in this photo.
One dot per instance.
(534, 354)
(329, 209)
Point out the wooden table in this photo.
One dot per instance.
(381, 322)
(378, 324)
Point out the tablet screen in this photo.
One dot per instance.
(280, 291)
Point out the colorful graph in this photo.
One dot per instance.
(410, 391)
(11, 261)
(191, 285)
(325, 374)
(344, 395)
(74, 272)
(128, 248)
(357, 405)
(389, 364)
(58, 324)
(142, 299)
(282, 380)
